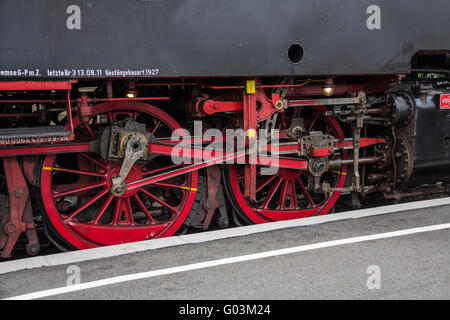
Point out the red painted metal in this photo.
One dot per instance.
(212, 106)
(84, 226)
(34, 101)
(167, 149)
(197, 154)
(30, 166)
(19, 217)
(278, 194)
(69, 117)
(98, 100)
(364, 142)
(85, 109)
(444, 101)
(250, 128)
(189, 141)
(216, 158)
(188, 169)
(35, 85)
(43, 150)
(233, 87)
(320, 152)
(91, 100)
(266, 109)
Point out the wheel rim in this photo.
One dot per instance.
(76, 195)
(284, 196)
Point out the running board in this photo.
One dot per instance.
(38, 135)
(34, 135)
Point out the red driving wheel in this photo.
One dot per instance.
(76, 194)
(285, 195)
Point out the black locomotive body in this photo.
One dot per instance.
(197, 38)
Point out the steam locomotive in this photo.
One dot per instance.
(124, 121)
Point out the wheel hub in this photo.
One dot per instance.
(289, 174)
(119, 190)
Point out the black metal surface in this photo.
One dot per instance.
(216, 37)
(428, 135)
(33, 132)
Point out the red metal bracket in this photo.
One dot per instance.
(214, 175)
(250, 127)
(43, 150)
(266, 109)
(19, 217)
(35, 85)
(69, 117)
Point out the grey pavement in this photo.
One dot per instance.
(411, 267)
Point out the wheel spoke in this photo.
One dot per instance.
(293, 194)
(85, 205)
(80, 189)
(282, 197)
(158, 123)
(97, 162)
(265, 183)
(141, 204)
(103, 209)
(88, 128)
(305, 192)
(80, 172)
(129, 220)
(313, 122)
(283, 120)
(271, 193)
(168, 185)
(111, 118)
(159, 201)
(117, 211)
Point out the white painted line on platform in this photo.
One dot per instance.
(225, 261)
(127, 248)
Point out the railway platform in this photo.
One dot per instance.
(392, 252)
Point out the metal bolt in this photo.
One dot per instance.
(18, 193)
(118, 190)
(10, 228)
(32, 249)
